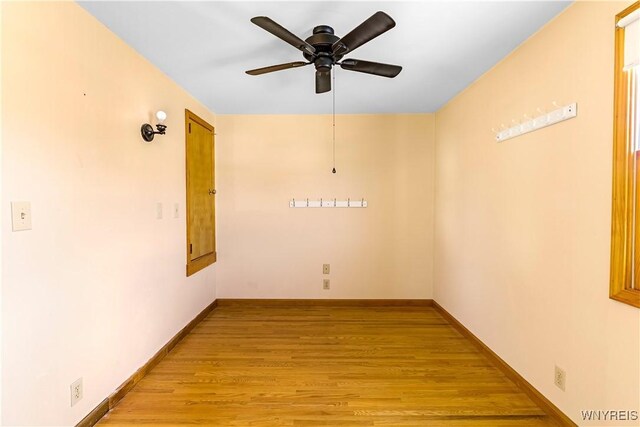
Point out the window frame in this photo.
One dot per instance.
(623, 209)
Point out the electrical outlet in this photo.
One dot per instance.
(560, 378)
(326, 284)
(76, 391)
(325, 268)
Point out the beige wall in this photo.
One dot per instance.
(98, 285)
(268, 250)
(522, 227)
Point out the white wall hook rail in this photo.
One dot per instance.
(558, 115)
(327, 203)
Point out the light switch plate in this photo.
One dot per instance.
(158, 210)
(176, 210)
(21, 216)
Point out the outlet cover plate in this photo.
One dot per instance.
(326, 268)
(560, 378)
(76, 391)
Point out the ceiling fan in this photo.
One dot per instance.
(324, 49)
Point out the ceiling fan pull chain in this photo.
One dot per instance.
(334, 121)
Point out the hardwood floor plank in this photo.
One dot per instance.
(274, 365)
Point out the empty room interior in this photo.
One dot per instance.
(320, 213)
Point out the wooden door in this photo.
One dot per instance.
(201, 234)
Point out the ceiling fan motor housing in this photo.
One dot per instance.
(322, 39)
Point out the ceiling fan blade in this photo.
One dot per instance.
(377, 24)
(323, 81)
(278, 67)
(377, 68)
(282, 33)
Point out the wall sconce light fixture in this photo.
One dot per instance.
(147, 130)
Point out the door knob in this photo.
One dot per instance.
(212, 192)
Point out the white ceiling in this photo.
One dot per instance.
(205, 47)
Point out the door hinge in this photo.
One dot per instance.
(189, 127)
(190, 248)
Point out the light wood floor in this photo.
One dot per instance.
(325, 366)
